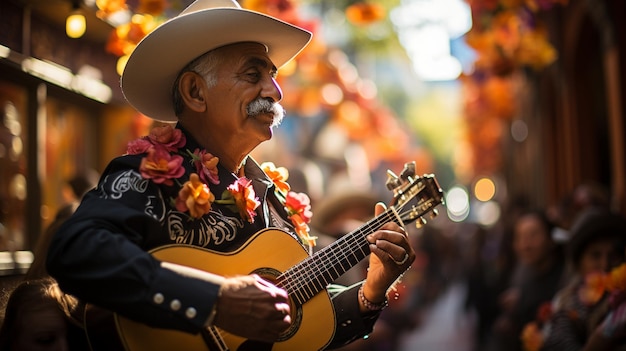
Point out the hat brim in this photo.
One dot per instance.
(153, 66)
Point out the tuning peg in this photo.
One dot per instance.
(434, 213)
(408, 171)
(393, 181)
(420, 222)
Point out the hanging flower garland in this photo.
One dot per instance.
(509, 39)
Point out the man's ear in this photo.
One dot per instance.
(192, 89)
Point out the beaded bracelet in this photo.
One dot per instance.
(371, 306)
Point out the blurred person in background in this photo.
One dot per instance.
(537, 277)
(79, 185)
(37, 268)
(596, 246)
(490, 264)
(38, 318)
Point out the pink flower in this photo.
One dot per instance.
(245, 198)
(194, 197)
(299, 203)
(206, 166)
(138, 146)
(172, 139)
(298, 206)
(168, 137)
(161, 167)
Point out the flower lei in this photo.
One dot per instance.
(297, 205)
(163, 164)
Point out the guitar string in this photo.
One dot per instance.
(217, 338)
(342, 252)
(294, 276)
(298, 280)
(330, 257)
(324, 258)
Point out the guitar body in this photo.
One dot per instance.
(268, 253)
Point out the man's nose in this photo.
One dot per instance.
(271, 89)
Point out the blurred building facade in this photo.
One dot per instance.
(574, 111)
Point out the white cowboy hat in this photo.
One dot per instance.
(205, 25)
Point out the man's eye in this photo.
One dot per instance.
(46, 339)
(254, 75)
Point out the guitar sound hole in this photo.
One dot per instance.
(270, 274)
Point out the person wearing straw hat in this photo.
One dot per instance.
(171, 235)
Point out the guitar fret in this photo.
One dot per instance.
(313, 274)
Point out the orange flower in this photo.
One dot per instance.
(363, 13)
(109, 7)
(617, 278)
(532, 339)
(535, 50)
(302, 229)
(244, 198)
(278, 175)
(594, 287)
(152, 7)
(194, 197)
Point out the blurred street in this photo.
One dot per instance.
(446, 325)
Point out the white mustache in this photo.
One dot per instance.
(264, 106)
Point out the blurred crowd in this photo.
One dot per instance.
(551, 278)
(540, 279)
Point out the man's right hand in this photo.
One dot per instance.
(253, 308)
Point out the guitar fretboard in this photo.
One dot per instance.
(312, 275)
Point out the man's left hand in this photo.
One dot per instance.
(391, 256)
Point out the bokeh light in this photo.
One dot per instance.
(484, 189)
(457, 203)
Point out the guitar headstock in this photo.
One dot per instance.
(414, 196)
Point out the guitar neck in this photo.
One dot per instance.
(314, 274)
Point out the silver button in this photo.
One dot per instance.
(175, 305)
(158, 298)
(190, 312)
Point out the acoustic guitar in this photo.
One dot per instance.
(304, 277)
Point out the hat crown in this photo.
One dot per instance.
(200, 5)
